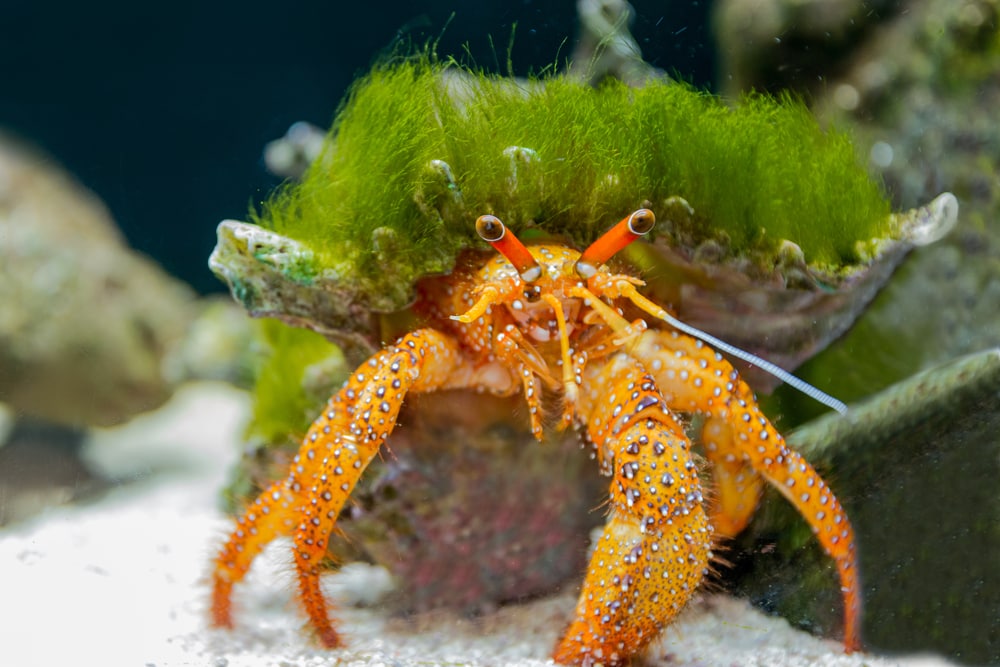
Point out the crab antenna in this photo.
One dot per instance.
(645, 304)
(494, 232)
(763, 364)
(631, 227)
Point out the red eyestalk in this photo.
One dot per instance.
(494, 232)
(639, 223)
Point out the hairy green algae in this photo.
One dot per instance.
(420, 149)
(292, 361)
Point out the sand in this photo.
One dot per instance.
(123, 581)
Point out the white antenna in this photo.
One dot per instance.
(762, 364)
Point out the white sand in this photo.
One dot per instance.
(123, 581)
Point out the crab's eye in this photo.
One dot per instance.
(532, 294)
(494, 232)
(489, 228)
(631, 227)
(641, 222)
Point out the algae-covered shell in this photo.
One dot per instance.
(758, 207)
(796, 310)
(770, 234)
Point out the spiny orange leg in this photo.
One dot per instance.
(695, 378)
(738, 438)
(623, 286)
(423, 360)
(273, 513)
(269, 516)
(655, 548)
(335, 452)
(736, 486)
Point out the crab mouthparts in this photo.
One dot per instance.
(538, 320)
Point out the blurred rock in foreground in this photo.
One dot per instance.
(85, 323)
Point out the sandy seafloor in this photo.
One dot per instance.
(122, 580)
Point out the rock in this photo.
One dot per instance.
(85, 322)
(916, 468)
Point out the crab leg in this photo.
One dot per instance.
(269, 516)
(742, 443)
(655, 547)
(335, 452)
(272, 514)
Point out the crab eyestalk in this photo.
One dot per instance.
(494, 232)
(638, 223)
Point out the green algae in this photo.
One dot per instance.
(283, 403)
(419, 149)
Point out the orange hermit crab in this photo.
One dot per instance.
(554, 323)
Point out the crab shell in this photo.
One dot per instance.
(761, 212)
(786, 314)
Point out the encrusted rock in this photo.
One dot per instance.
(85, 323)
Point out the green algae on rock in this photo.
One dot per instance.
(760, 172)
(297, 370)
(420, 149)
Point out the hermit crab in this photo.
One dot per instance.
(375, 249)
(550, 319)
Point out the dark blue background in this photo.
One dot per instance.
(163, 108)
